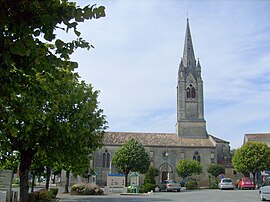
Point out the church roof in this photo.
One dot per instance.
(156, 139)
(218, 140)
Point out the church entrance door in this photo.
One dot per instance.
(164, 176)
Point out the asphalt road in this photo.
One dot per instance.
(203, 195)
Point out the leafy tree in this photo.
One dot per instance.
(32, 62)
(216, 170)
(252, 157)
(9, 161)
(187, 167)
(150, 175)
(131, 156)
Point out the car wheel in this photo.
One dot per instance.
(261, 197)
(178, 190)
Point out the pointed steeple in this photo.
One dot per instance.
(188, 55)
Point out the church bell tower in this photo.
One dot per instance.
(190, 110)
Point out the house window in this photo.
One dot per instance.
(197, 157)
(106, 159)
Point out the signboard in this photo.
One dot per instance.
(5, 180)
(116, 180)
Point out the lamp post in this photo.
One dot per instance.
(166, 154)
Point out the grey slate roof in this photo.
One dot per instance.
(156, 139)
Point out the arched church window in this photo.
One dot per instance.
(197, 157)
(106, 159)
(193, 92)
(188, 92)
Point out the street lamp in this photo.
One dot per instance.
(166, 154)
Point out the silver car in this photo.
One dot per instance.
(170, 185)
(226, 183)
(264, 191)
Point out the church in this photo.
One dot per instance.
(191, 139)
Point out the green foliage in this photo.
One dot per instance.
(42, 195)
(53, 191)
(192, 184)
(150, 175)
(216, 170)
(147, 187)
(214, 184)
(9, 161)
(43, 106)
(252, 157)
(45, 195)
(188, 167)
(86, 189)
(131, 156)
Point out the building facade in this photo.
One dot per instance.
(191, 139)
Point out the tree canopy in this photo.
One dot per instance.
(252, 157)
(43, 106)
(216, 170)
(187, 167)
(131, 156)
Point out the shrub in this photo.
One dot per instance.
(33, 197)
(54, 192)
(214, 184)
(40, 196)
(191, 184)
(45, 195)
(86, 189)
(147, 187)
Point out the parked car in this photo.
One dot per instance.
(264, 191)
(170, 185)
(183, 182)
(226, 183)
(246, 183)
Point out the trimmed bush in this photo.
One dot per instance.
(147, 187)
(192, 184)
(86, 189)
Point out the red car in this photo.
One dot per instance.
(246, 183)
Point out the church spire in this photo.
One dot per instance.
(188, 55)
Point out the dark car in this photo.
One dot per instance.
(170, 185)
(183, 182)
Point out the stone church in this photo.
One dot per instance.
(191, 139)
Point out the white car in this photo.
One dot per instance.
(226, 183)
(264, 191)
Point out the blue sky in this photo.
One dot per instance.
(138, 47)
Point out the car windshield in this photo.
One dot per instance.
(247, 179)
(171, 181)
(226, 180)
(266, 182)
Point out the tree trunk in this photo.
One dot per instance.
(126, 178)
(67, 182)
(48, 176)
(26, 158)
(33, 182)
